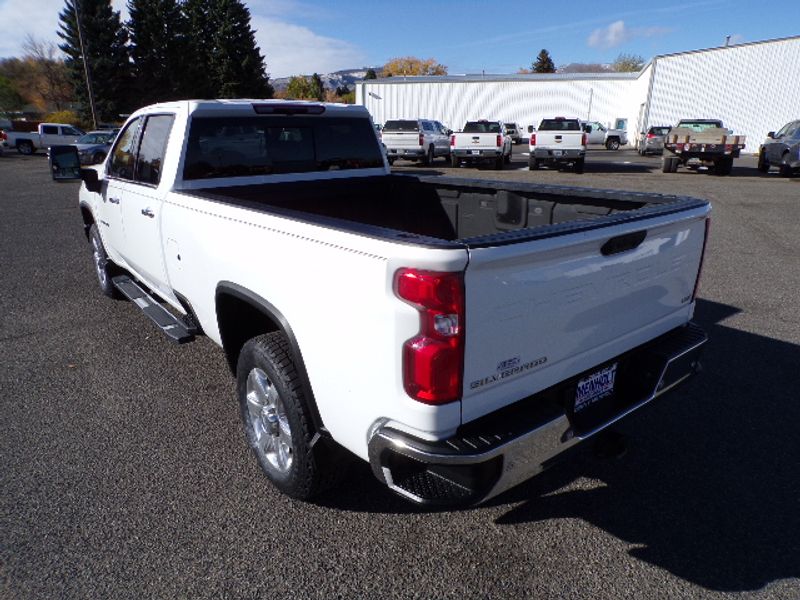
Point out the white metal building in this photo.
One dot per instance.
(754, 88)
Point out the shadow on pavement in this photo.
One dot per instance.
(710, 487)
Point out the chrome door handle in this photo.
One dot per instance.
(114, 200)
(148, 213)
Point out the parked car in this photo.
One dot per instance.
(46, 135)
(652, 141)
(93, 147)
(781, 149)
(598, 133)
(514, 133)
(415, 139)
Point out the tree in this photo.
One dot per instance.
(9, 97)
(227, 63)
(543, 63)
(410, 65)
(584, 68)
(628, 63)
(159, 48)
(49, 86)
(317, 87)
(370, 74)
(299, 88)
(106, 54)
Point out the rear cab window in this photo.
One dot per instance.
(401, 125)
(482, 127)
(559, 125)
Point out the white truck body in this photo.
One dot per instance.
(558, 141)
(598, 133)
(48, 134)
(481, 141)
(561, 289)
(415, 139)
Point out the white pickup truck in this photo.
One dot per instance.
(481, 141)
(558, 141)
(456, 334)
(47, 134)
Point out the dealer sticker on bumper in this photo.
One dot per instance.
(595, 387)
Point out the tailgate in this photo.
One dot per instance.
(401, 139)
(541, 311)
(567, 139)
(469, 141)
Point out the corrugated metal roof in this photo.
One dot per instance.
(515, 77)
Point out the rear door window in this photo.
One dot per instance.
(152, 147)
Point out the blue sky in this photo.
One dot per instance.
(468, 36)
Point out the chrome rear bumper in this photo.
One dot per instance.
(504, 449)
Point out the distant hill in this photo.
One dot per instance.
(331, 81)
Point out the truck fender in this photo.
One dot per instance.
(264, 318)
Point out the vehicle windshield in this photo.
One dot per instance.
(401, 126)
(482, 127)
(266, 145)
(699, 126)
(95, 138)
(559, 125)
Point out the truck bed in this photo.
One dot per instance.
(439, 211)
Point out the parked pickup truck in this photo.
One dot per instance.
(558, 141)
(481, 141)
(416, 139)
(48, 134)
(456, 334)
(597, 133)
(701, 142)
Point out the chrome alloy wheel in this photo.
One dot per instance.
(99, 260)
(269, 426)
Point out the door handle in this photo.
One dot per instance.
(114, 200)
(148, 213)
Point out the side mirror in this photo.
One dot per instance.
(91, 180)
(587, 129)
(771, 134)
(530, 128)
(65, 164)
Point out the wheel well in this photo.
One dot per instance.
(88, 220)
(239, 320)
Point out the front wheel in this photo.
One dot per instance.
(763, 165)
(98, 157)
(276, 417)
(612, 144)
(103, 267)
(786, 169)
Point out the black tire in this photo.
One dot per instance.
(103, 267)
(612, 144)
(25, 148)
(533, 164)
(98, 157)
(669, 164)
(579, 166)
(763, 164)
(454, 162)
(499, 162)
(266, 362)
(723, 166)
(428, 160)
(390, 161)
(785, 169)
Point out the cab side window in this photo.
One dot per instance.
(123, 155)
(152, 147)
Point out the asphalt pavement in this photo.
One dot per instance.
(125, 473)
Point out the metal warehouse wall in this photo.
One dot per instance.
(524, 101)
(753, 88)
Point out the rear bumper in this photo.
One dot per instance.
(501, 450)
(406, 152)
(476, 154)
(558, 155)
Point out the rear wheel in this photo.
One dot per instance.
(669, 164)
(508, 156)
(763, 165)
(277, 419)
(612, 144)
(498, 163)
(428, 160)
(454, 162)
(533, 164)
(25, 148)
(723, 166)
(391, 161)
(579, 166)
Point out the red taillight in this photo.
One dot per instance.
(533, 139)
(433, 360)
(499, 140)
(702, 258)
(584, 139)
(453, 140)
(650, 136)
(421, 139)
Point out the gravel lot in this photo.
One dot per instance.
(125, 473)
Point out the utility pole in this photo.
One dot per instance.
(85, 63)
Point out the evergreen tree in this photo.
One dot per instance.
(104, 41)
(370, 74)
(236, 63)
(543, 64)
(159, 48)
(299, 88)
(201, 34)
(317, 88)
